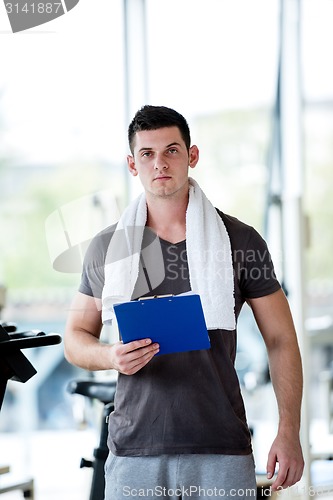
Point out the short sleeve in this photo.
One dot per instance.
(92, 277)
(255, 268)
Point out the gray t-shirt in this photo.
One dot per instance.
(188, 402)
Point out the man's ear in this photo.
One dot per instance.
(131, 165)
(193, 156)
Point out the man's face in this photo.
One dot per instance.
(161, 160)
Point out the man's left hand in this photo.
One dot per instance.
(286, 451)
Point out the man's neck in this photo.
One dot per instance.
(166, 217)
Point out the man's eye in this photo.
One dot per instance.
(146, 154)
(172, 150)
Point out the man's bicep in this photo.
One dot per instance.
(84, 315)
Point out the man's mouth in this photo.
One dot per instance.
(161, 177)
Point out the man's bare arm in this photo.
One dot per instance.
(83, 347)
(273, 316)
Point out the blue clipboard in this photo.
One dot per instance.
(176, 322)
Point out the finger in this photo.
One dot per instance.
(271, 464)
(294, 474)
(138, 363)
(136, 344)
(139, 353)
(281, 477)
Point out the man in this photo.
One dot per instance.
(179, 427)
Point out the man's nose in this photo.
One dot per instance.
(160, 163)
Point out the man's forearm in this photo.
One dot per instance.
(86, 351)
(287, 379)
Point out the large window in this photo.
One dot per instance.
(62, 126)
(317, 38)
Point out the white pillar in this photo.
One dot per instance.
(136, 69)
(292, 193)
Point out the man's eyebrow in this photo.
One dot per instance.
(166, 147)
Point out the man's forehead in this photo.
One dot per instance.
(161, 137)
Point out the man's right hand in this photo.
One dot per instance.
(84, 349)
(131, 357)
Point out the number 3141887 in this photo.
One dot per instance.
(33, 8)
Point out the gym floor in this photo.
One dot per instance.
(52, 458)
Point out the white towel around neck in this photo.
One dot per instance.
(208, 253)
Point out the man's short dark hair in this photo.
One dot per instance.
(155, 117)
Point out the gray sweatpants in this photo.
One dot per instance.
(195, 477)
